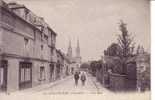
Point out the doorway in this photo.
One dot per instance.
(52, 72)
(3, 75)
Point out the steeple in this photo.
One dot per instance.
(69, 53)
(78, 49)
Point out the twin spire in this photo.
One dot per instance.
(69, 53)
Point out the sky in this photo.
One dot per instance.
(94, 22)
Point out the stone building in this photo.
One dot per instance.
(143, 72)
(59, 65)
(67, 66)
(63, 65)
(75, 60)
(27, 48)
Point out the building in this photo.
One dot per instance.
(63, 65)
(143, 70)
(136, 76)
(27, 48)
(75, 60)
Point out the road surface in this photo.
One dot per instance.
(68, 87)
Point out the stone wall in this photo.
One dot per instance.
(36, 73)
(117, 82)
(143, 72)
(13, 75)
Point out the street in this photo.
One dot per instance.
(67, 86)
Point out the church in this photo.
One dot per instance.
(75, 60)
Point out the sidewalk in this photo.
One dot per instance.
(43, 86)
(100, 88)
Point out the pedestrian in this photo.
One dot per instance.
(76, 77)
(83, 78)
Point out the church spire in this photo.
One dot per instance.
(78, 49)
(69, 53)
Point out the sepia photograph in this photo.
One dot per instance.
(51, 49)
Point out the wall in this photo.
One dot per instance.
(36, 73)
(13, 32)
(143, 76)
(13, 75)
(117, 82)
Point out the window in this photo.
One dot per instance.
(42, 37)
(42, 47)
(1, 76)
(142, 69)
(52, 50)
(51, 70)
(25, 75)
(26, 50)
(26, 13)
(46, 38)
(25, 72)
(53, 39)
(42, 73)
(26, 41)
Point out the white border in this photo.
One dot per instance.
(152, 49)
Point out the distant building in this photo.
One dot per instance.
(63, 65)
(75, 60)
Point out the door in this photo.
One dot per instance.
(42, 74)
(58, 68)
(25, 75)
(3, 75)
(131, 76)
(51, 71)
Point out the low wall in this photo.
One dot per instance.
(117, 82)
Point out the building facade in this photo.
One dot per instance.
(75, 60)
(27, 47)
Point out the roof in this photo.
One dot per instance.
(60, 53)
(13, 6)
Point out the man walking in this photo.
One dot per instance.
(76, 77)
(83, 78)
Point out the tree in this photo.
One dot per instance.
(125, 41)
(114, 50)
(94, 65)
(84, 66)
(126, 44)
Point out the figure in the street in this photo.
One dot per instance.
(83, 78)
(76, 77)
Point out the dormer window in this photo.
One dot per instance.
(26, 13)
(26, 41)
(42, 47)
(46, 38)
